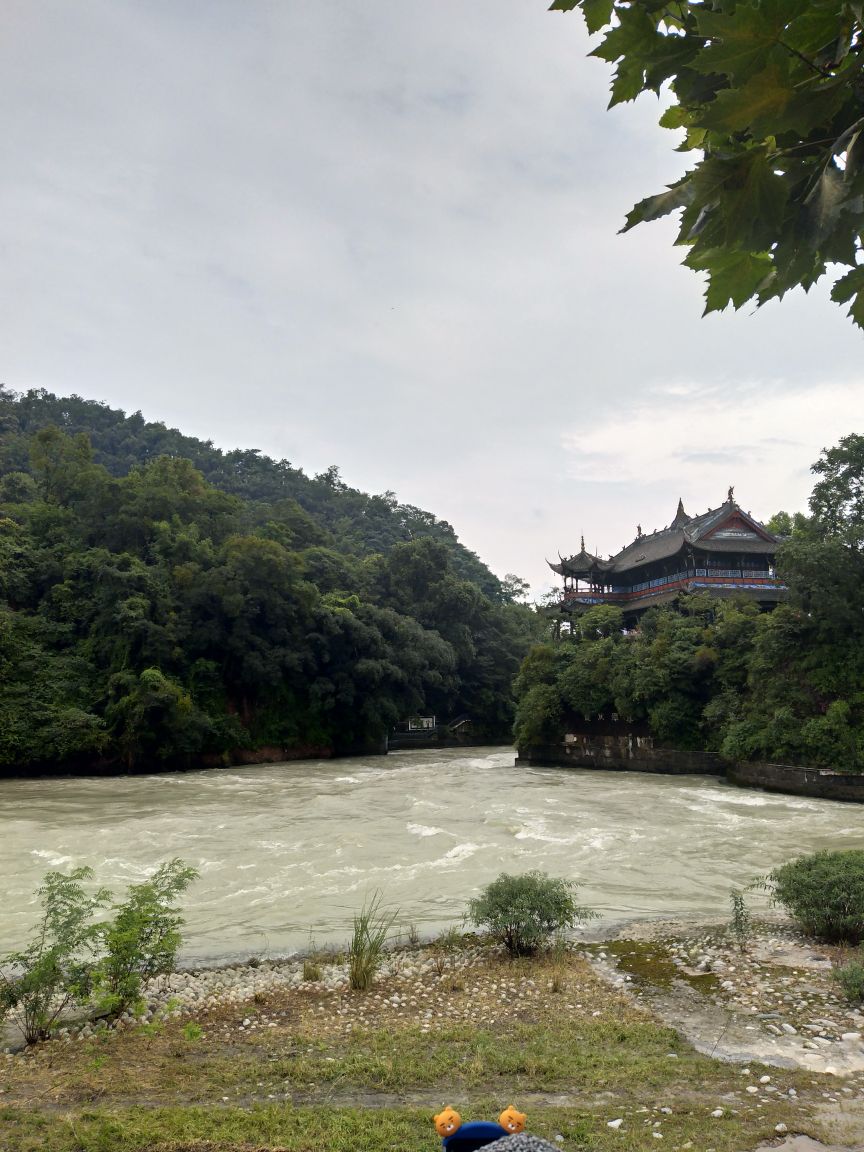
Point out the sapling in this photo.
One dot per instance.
(741, 922)
(55, 970)
(143, 939)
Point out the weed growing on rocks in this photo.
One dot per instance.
(850, 977)
(372, 930)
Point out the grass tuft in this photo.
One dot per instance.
(372, 930)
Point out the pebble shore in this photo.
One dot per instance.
(776, 994)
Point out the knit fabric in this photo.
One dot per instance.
(520, 1142)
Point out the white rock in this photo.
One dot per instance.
(615, 1123)
(789, 1030)
(764, 1079)
(850, 1036)
(781, 1128)
(717, 1113)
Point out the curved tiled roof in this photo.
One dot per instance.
(668, 542)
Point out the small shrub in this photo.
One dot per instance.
(824, 894)
(741, 923)
(525, 911)
(372, 929)
(850, 977)
(192, 1032)
(143, 938)
(56, 967)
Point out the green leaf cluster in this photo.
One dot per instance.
(770, 95)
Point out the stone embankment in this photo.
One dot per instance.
(186, 993)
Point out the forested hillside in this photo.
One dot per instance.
(784, 686)
(162, 601)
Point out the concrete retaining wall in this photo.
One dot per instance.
(631, 753)
(819, 782)
(622, 754)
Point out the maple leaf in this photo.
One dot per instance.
(771, 93)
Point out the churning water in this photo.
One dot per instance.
(288, 852)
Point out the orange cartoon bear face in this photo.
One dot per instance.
(512, 1120)
(447, 1122)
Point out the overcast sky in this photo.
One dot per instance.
(382, 234)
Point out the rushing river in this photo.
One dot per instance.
(288, 852)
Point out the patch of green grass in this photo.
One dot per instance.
(593, 1053)
(369, 1129)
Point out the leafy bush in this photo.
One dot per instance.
(525, 911)
(56, 968)
(372, 929)
(143, 938)
(824, 894)
(850, 977)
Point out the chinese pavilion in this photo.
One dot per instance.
(724, 552)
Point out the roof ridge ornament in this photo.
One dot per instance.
(681, 517)
(730, 495)
(583, 543)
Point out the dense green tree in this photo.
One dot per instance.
(148, 617)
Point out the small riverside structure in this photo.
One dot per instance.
(723, 552)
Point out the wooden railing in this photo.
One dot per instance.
(699, 577)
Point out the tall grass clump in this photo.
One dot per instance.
(525, 912)
(372, 930)
(824, 894)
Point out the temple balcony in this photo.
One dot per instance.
(724, 581)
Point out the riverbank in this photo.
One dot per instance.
(589, 1042)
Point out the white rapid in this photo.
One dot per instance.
(288, 852)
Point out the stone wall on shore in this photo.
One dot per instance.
(632, 753)
(622, 753)
(790, 778)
